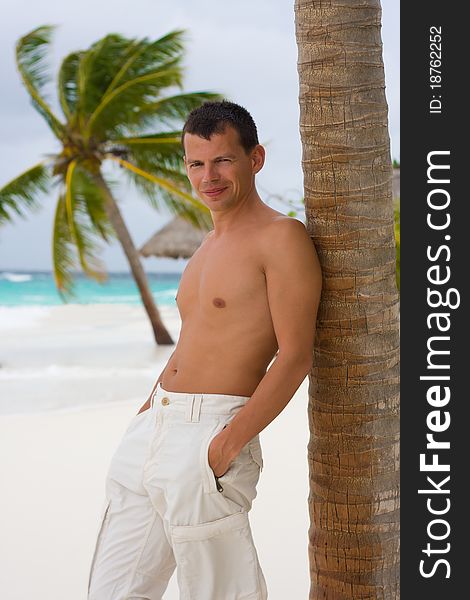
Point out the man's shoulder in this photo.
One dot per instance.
(282, 227)
(286, 221)
(282, 240)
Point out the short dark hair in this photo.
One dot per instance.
(213, 117)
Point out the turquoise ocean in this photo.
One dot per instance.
(37, 288)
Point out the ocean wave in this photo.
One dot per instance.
(74, 372)
(164, 293)
(132, 403)
(120, 299)
(16, 277)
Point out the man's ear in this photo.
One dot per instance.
(258, 156)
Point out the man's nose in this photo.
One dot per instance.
(210, 173)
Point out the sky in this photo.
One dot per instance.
(248, 54)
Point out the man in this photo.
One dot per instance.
(183, 479)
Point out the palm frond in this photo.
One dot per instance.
(21, 193)
(147, 57)
(68, 84)
(162, 169)
(118, 106)
(31, 52)
(170, 110)
(177, 176)
(147, 188)
(177, 200)
(89, 196)
(150, 189)
(97, 68)
(199, 219)
(78, 218)
(164, 184)
(160, 198)
(63, 252)
(167, 138)
(118, 74)
(115, 60)
(150, 152)
(136, 47)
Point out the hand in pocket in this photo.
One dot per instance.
(219, 461)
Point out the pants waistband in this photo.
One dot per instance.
(194, 404)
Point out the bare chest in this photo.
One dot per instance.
(223, 280)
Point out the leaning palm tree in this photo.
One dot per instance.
(114, 110)
(353, 450)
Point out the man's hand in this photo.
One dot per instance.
(144, 406)
(219, 456)
(159, 379)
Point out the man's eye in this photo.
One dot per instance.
(193, 165)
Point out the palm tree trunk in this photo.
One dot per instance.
(353, 450)
(160, 333)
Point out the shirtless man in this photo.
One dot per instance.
(251, 290)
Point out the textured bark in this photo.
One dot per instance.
(353, 450)
(160, 333)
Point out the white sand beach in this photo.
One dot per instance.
(71, 378)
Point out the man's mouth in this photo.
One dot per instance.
(214, 191)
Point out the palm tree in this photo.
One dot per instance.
(111, 96)
(353, 411)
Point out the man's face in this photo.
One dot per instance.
(219, 170)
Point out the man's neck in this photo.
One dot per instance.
(233, 218)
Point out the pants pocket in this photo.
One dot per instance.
(104, 519)
(218, 560)
(256, 453)
(239, 483)
(208, 475)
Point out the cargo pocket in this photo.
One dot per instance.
(217, 559)
(104, 520)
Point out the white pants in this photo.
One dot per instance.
(165, 509)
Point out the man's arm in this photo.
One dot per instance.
(293, 280)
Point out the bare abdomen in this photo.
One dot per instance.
(222, 362)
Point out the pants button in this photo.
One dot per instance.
(165, 401)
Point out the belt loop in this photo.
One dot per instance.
(189, 407)
(193, 407)
(197, 407)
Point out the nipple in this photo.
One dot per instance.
(219, 302)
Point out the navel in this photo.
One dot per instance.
(219, 302)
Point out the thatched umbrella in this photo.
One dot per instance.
(177, 239)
